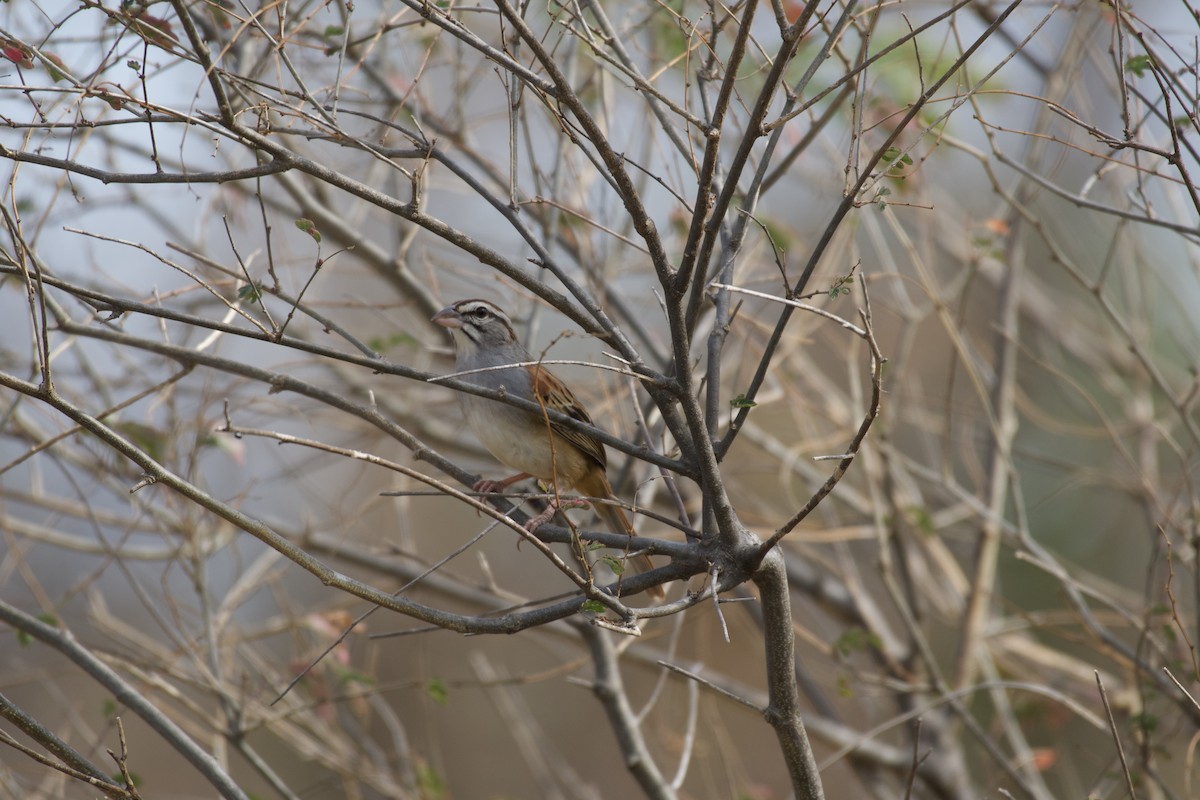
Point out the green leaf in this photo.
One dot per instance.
(333, 31)
(150, 439)
(119, 779)
(922, 519)
(669, 39)
(350, 675)
(781, 236)
(1138, 64)
(250, 293)
(853, 639)
(1146, 721)
(893, 153)
(841, 287)
(309, 227)
(56, 69)
(880, 198)
(896, 161)
(741, 401)
(594, 606)
(429, 782)
(382, 344)
(438, 691)
(614, 564)
(25, 639)
(110, 708)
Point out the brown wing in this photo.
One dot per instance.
(555, 395)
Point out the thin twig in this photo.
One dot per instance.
(1112, 727)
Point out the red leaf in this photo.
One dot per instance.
(16, 52)
(1044, 758)
(155, 30)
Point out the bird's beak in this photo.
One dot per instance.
(447, 318)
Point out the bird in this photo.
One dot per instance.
(531, 443)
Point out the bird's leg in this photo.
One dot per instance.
(498, 487)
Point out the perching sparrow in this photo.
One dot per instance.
(524, 440)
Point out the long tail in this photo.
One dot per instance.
(614, 517)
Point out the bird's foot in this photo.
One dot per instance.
(555, 505)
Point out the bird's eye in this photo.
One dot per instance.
(480, 312)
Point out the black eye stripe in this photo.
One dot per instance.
(480, 318)
(477, 308)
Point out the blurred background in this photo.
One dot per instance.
(1019, 527)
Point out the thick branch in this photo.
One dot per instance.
(783, 710)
